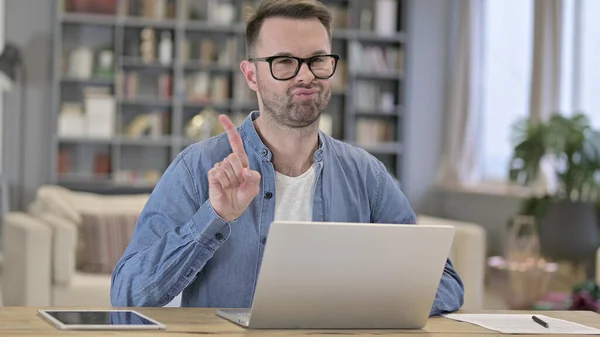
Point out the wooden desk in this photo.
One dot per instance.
(25, 322)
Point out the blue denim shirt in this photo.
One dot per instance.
(181, 245)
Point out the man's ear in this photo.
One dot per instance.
(249, 70)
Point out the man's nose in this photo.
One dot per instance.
(304, 74)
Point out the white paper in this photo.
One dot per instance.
(524, 324)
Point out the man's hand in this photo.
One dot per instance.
(231, 183)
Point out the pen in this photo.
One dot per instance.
(539, 321)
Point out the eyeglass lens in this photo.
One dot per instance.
(286, 67)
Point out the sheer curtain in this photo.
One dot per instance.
(460, 159)
(547, 54)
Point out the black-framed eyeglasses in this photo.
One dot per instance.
(284, 68)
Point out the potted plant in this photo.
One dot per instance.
(559, 159)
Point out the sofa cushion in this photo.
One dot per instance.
(105, 237)
(54, 200)
(70, 205)
(131, 204)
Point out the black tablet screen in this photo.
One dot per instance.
(99, 318)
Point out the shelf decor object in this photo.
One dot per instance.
(136, 81)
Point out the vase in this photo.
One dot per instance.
(569, 231)
(522, 240)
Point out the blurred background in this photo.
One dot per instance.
(486, 111)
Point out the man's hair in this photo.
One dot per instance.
(293, 9)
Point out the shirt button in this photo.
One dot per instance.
(189, 272)
(219, 236)
(263, 241)
(268, 195)
(264, 152)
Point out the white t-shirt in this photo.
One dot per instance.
(294, 196)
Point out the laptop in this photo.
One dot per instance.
(326, 275)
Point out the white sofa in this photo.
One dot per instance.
(469, 257)
(40, 251)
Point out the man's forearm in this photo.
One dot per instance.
(450, 294)
(152, 275)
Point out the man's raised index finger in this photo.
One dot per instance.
(234, 138)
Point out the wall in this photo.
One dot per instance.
(429, 22)
(29, 26)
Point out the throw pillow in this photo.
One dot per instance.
(105, 237)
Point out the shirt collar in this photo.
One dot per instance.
(254, 143)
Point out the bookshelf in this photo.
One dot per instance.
(136, 81)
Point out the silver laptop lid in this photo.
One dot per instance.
(349, 275)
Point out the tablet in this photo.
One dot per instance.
(100, 320)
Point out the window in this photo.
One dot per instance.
(588, 71)
(508, 59)
(508, 50)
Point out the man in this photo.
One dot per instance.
(203, 229)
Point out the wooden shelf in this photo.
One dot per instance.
(125, 31)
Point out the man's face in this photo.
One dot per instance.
(300, 101)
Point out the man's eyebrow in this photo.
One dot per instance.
(318, 52)
(283, 53)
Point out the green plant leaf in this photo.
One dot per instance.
(571, 140)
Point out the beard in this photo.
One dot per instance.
(300, 114)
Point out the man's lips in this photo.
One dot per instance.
(305, 92)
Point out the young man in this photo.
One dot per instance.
(204, 227)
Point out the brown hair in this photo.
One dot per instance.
(294, 9)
